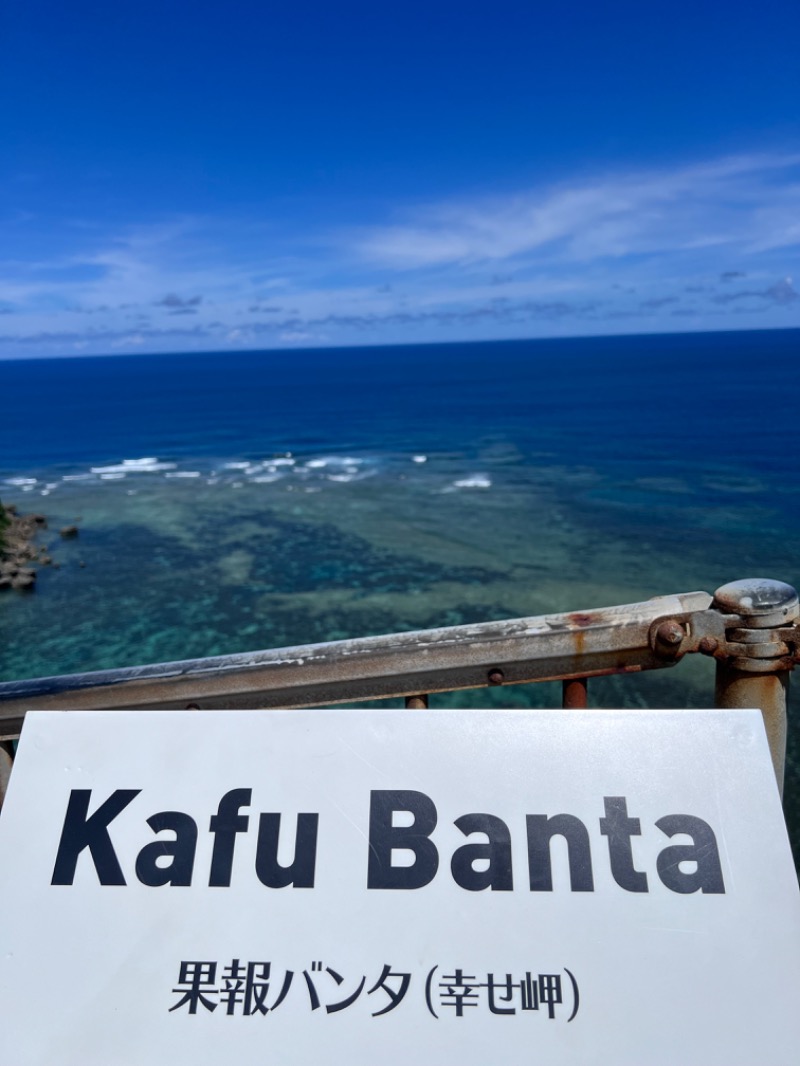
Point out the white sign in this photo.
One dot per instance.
(361, 887)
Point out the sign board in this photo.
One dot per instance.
(369, 886)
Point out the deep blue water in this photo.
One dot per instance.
(247, 500)
(726, 397)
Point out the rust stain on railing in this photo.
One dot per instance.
(591, 643)
(749, 627)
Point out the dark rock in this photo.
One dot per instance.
(69, 531)
(20, 552)
(24, 579)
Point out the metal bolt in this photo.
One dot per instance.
(670, 633)
(708, 645)
(496, 677)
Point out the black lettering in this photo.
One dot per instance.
(619, 829)
(541, 830)
(225, 824)
(498, 875)
(301, 871)
(708, 875)
(181, 850)
(80, 831)
(384, 838)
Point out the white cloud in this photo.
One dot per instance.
(132, 340)
(299, 336)
(736, 202)
(571, 254)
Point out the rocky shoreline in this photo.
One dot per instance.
(20, 552)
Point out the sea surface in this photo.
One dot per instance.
(242, 500)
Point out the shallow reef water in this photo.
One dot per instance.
(531, 480)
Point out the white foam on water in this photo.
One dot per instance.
(419, 458)
(343, 462)
(270, 464)
(267, 467)
(134, 466)
(350, 473)
(236, 472)
(474, 481)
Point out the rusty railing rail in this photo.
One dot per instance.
(750, 627)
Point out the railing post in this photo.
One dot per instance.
(754, 671)
(6, 762)
(574, 694)
(418, 703)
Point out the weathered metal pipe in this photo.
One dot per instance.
(753, 670)
(576, 644)
(417, 703)
(767, 692)
(575, 694)
(6, 762)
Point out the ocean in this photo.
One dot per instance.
(242, 500)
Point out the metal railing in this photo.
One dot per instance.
(750, 627)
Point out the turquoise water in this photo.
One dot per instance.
(253, 500)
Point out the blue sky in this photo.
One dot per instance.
(186, 176)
